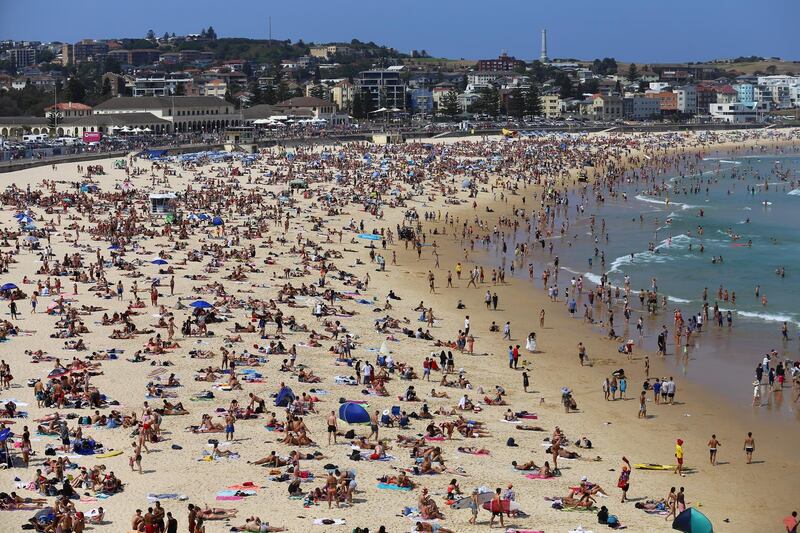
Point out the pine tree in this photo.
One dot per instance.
(533, 104)
(450, 103)
(633, 72)
(269, 96)
(151, 35)
(515, 103)
(210, 33)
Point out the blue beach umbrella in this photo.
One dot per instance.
(217, 221)
(25, 219)
(158, 262)
(8, 287)
(692, 521)
(353, 413)
(201, 304)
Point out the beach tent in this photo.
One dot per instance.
(285, 397)
(298, 184)
(217, 221)
(353, 413)
(201, 304)
(692, 521)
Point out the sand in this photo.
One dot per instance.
(737, 497)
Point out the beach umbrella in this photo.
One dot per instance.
(353, 413)
(692, 521)
(217, 221)
(31, 238)
(25, 219)
(114, 247)
(8, 287)
(201, 304)
(158, 262)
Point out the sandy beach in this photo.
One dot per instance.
(263, 243)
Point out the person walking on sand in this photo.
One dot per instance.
(672, 500)
(679, 457)
(497, 509)
(713, 444)
(749, 447)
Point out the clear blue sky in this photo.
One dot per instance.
(637, 30)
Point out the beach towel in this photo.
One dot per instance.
(165, 496)
(390, 486)
(538, 476)
(229, 498)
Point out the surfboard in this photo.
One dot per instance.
(653, 466)
(112, 453)
(464, 503)
(503, 506)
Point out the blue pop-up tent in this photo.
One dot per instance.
(285, 397)
(692, 521)
(353, 413)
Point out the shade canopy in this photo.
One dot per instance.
(7, 287)
(692, 521)
(353, 413)
(201, 304)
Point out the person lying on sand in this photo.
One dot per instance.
(256, 525)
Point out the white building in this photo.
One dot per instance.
(185, 113)
(738, 112)
(639, 107)
(159, 84)
(687, 99)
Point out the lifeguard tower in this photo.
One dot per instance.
(164, 205)
(240, 139)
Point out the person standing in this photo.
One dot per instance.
(525, 381)
(172, 524)
(230, 422)
(507, 331)
(713, 444)
(332, 427)
(643, 405)
(791, 522)
(192, 518)
(749, 447)
(624, 481)
(373, 425)
(679, 457)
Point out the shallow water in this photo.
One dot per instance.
(658, 246)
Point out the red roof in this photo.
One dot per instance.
(63, 106)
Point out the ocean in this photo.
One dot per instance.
(744, 210)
